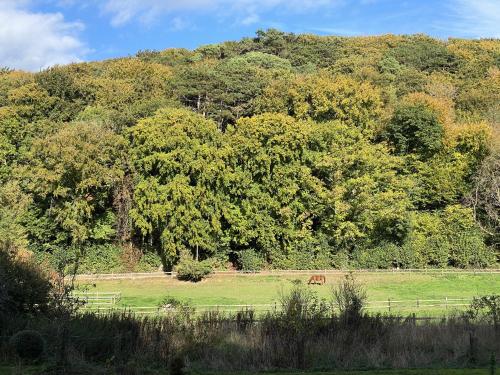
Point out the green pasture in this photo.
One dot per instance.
(257, 290)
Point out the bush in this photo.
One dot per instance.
(306, 254)
(381, 257)
(249, 260)
(387, 255)
(415, 128)
(468, 250)
(101, 259)
(177, 365)
(191, 270)
(149, 261)
(350, 298)
(28, 345)
(25, 288)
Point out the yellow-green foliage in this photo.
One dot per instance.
(282, 151)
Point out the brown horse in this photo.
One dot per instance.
(317, 279)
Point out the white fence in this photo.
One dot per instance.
(155, 275)
(389, 305)
(97, 298)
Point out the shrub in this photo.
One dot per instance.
(350, 298)
(469, 250)
(382, 257)
(249, 260)
(25, 288)
(28, 345)
(101, 259)
(149, 261)
(309, 254)
(415, 128)
(387, 255)
(177, 365)
(191, 270)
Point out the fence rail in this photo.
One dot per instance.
(97, 298)
(153, 275)
(389, 305)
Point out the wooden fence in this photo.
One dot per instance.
(390, 305)
(97, 298)
(153, 275)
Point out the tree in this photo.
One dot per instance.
(415, 128)
(322, 98)
(224, 91)
(13, 205)
(485, 197)
(366, 198)
(425, 54)
(272, 192)
(179, 160)
(71, 175)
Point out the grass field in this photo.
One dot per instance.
(256, 289)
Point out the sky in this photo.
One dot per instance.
(36, 34)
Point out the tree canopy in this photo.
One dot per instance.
(279, 151)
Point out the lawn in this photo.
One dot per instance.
(256, 289)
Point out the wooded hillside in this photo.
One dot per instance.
(282, 151)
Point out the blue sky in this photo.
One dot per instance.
(35, 34)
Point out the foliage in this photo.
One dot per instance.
(414, 128)
(249, 260)
(278, 151)
(487, 309)
(25, 288)
(71, 174)
(178, 157)
(193, 270)
(149, 262)
(27, 344)
(386, 255)
(349, 298)
(485, 197)
(103, 258)
(450, 238)
(324, 98)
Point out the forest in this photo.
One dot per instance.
(279, 151)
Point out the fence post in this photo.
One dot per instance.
(389, 304)
(418, 303)
(446, 303)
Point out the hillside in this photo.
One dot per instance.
(278, 151)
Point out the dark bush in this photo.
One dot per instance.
(25, 289)
(28, 345)
(191, 270)
(177, 365)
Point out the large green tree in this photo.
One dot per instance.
(178, 157)
(71, 175)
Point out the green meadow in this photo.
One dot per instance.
(402, 289)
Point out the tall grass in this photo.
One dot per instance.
(305, 333)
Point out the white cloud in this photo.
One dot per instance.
(477, 18)
(33, 41)
(246, 11)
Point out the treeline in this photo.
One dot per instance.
(283, 150)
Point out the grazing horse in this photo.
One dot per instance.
(317, 279)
